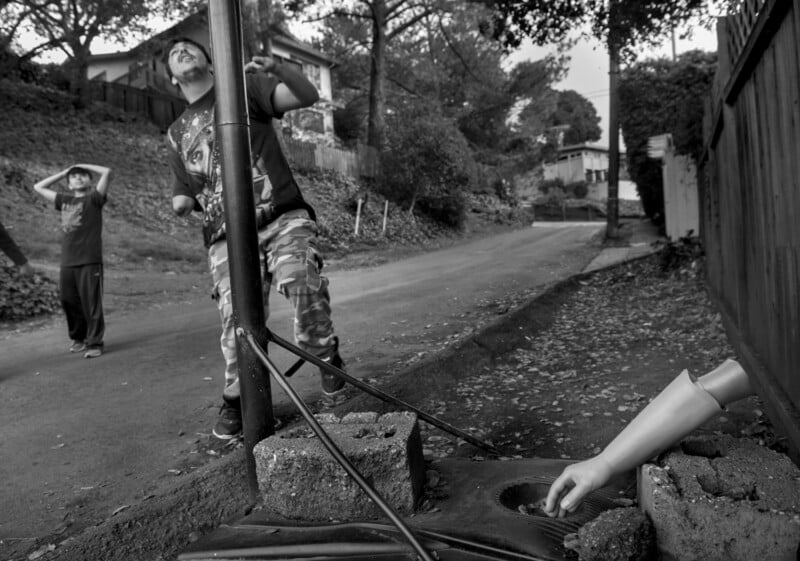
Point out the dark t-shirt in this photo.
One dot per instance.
(82, 224)
(196, 165)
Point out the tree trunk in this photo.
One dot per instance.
(255, 28)
(78, 67)
(612, 215)
(377, 76)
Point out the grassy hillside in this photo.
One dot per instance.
(43, 134)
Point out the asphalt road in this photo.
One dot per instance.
(82, 438)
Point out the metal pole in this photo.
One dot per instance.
(612, 214)
(233, 138)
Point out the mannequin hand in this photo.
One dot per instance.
(261, 64)
(574, 483)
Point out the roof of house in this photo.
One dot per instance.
(585, 146)
(280, 35)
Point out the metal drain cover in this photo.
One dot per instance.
(478, 520)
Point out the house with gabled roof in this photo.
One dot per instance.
(589, 163)
(141, 67)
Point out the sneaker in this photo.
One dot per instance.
(333, 387)
(93, 352)
(331, 383)
(77, 347)
(229, 423)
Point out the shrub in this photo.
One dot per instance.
(450, 209)
(681, 253)
(548, 185)
(578, 189)
(555, 197)
(662, 96)
(23, 297)
(427, 164)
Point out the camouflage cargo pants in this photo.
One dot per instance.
(291, 263)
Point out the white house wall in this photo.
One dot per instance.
(113, 69)
(681, 207)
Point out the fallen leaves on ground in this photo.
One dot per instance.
(615, 343)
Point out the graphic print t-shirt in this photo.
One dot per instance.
(82, 225)
(196, 165)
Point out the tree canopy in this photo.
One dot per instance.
(660, 96)
(622, 24)
(579, 114)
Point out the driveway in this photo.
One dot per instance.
(83, 438)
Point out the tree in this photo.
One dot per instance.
(578, 113)
(622, 25)
(71, 27)
(428, 165)
(386, 20)
(663, 96)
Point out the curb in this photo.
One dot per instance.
(162, 525)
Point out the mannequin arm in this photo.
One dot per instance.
(681, 407)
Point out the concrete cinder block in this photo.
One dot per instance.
(299, 479)
(723, 498)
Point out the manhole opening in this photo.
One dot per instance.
(525, 498)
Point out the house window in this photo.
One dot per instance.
(589, 176)
(312, 72)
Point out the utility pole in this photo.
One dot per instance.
(674, 47)
(612, 211)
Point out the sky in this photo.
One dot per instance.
(588, 68)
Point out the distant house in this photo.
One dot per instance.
(142, 68)
(588, 162)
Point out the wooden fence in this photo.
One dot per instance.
(750, 199)
(363, 162)
(163, 109)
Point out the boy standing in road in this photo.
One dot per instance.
(287, 231)
(81, 274)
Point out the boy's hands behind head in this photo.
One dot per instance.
(261, 64)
